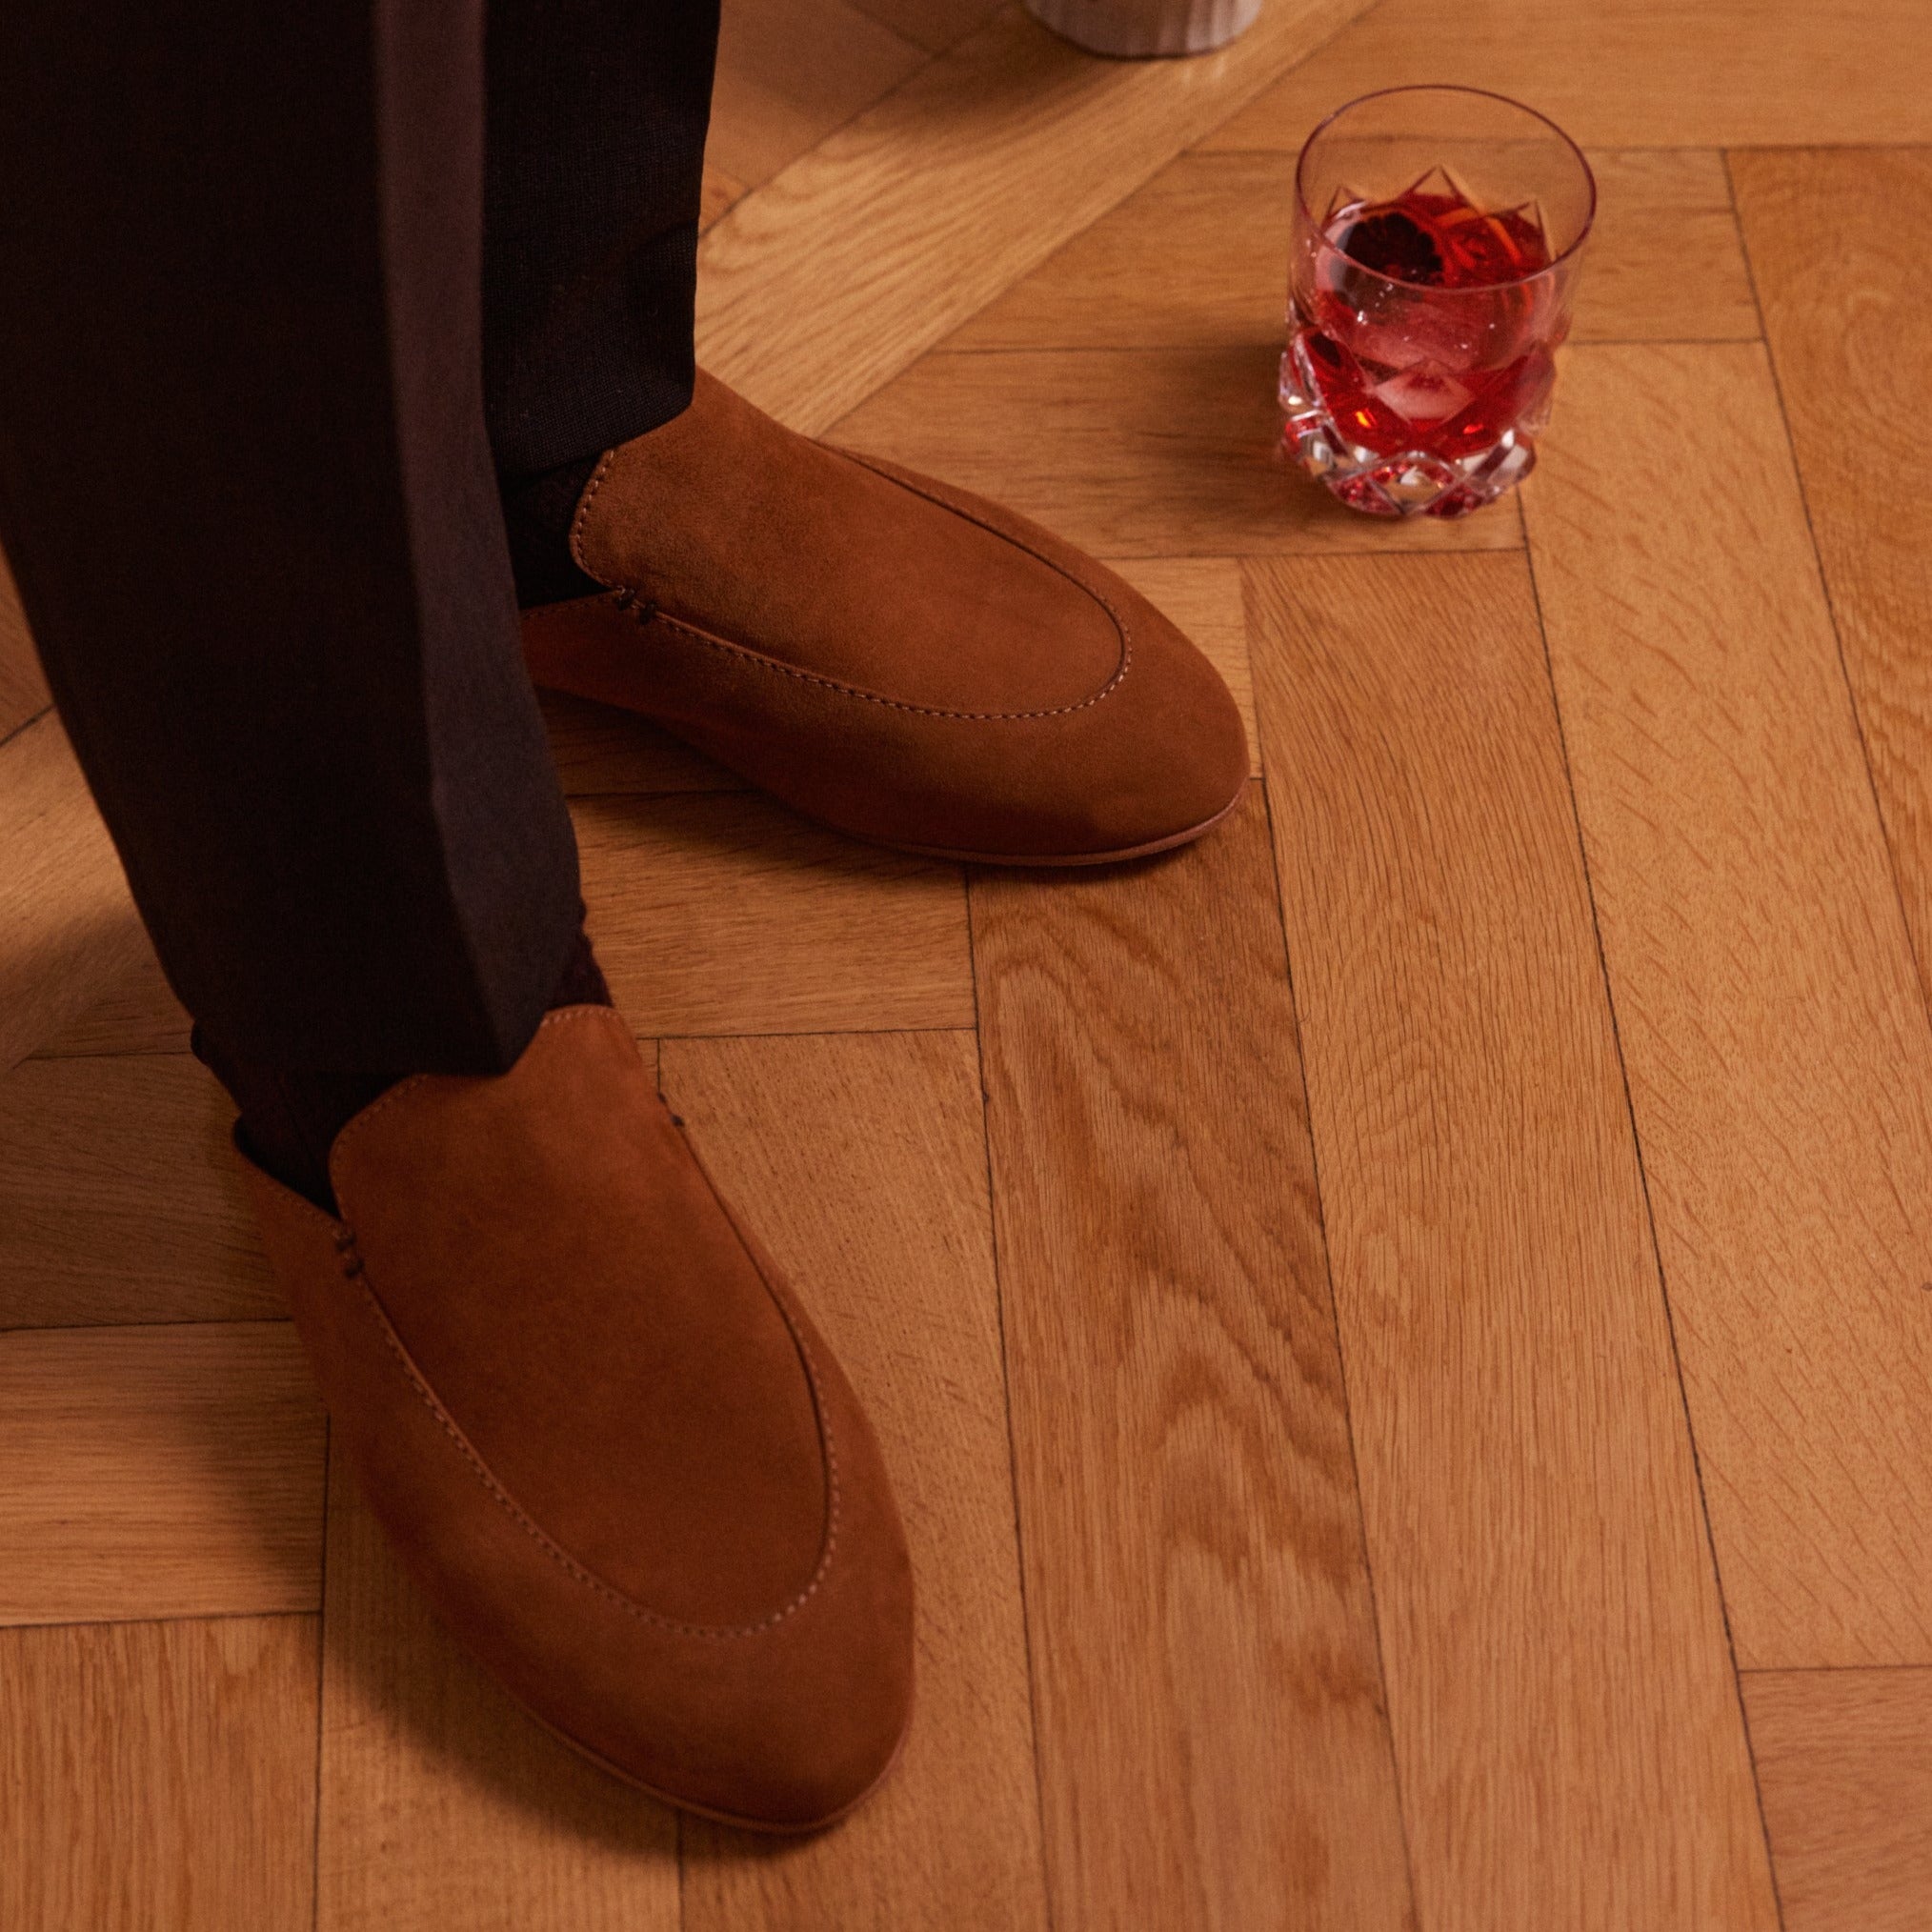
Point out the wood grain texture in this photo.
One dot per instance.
(598, 749)
(729, 915)
(932, 24)
(1552, 1634)
(1844, 1758)
(862, 1162)
(1203, 596)
(120, 1199)
(1664, 262)
(1199, 258)
(1838, 243)
(158, 1777)
(158, 1472)
(23, 690)
(135, 1012)
(1772, 1021)
(789, 72)
(893, 231)
(441, 1803)
(1195, 259)
(66, 926)
(1136, 453)
(719, 192)
(1631, 74)
(1211, 1731)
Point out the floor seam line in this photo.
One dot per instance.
(966, 881)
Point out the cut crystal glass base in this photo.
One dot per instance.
(1404, 483)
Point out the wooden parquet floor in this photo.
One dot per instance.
(1405, 1332)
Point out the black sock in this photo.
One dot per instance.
(537, 513)
(289, 1120)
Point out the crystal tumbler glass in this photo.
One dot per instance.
(1438, 235)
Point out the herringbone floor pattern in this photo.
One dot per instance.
(1404, 1332)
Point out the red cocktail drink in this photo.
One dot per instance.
(1426, 308)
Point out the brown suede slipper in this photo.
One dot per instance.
(606, 1440)
(905, 661)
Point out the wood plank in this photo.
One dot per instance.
(1212, 1729)
(1199, 258)
(862, 1160)
(1551, 1626)
(68, 927)
(935, 25)
(1844, 1758)
(1664, 261)
(729, 915)
(1838, 243)
(1195, 259)
(1772, 1021)
(1633, 73)
(599, 748)
(719, 192)
(159, 1777)
(158, 1472)
(789, 72)
(1136, 453)
(135, 1013)
(120, 1199)
(907, 221)
(1203, 596)
(442, 1805)
(23, 690)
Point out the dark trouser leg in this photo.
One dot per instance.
(594, 161)
(246, 485)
